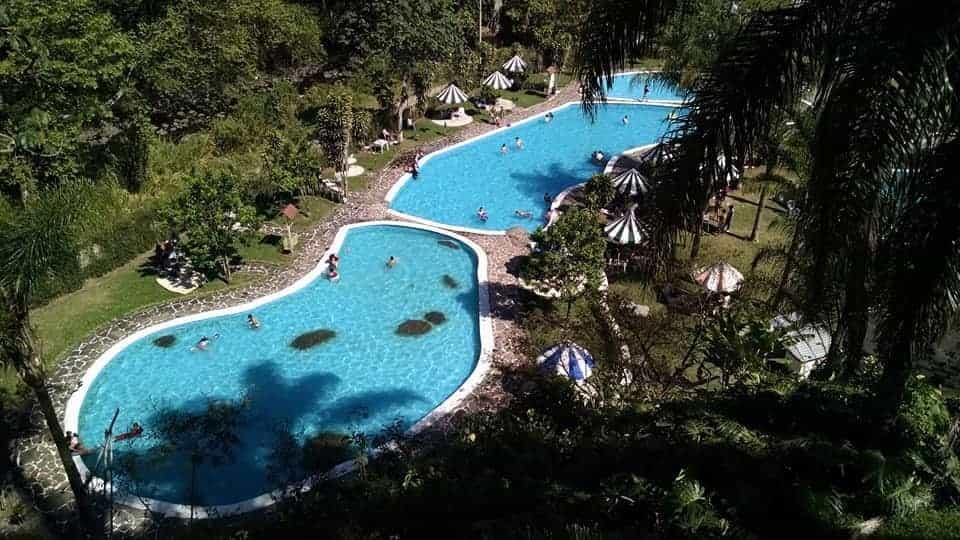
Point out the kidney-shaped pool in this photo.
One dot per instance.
(380, 346)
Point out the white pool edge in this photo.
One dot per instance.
(406, 177)
(480, 370)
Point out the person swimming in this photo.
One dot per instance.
(135, 431)
(548, 117)
(626, 119)
(524, 214)
(519, 142)
(252, 322)
(504, 149)
(482, 214)
(391, 262)
(598, 156)
(547, 199)
(203, 343)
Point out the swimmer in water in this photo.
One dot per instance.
(523, 214)
(519, 142)
(482, 214)
(626, 119)
(504, 149)
(252, 322)
(391, 262)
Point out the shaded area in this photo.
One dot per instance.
(435, 317)
(312, 339)
(413, 327)
(219, 450)
(166, 341)
(449, 244)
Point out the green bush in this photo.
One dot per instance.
(926, 524)
(536, 84)
(229, 134)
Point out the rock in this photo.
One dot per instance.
(413, 327)
(309, 340)
(435, 317)
(165, 341)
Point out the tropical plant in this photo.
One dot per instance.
(599, 191)
(333, 113)
(214, 219)
(878, 196)
(569, 256)
(37, 244)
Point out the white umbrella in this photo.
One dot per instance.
(568, 360)
(515, 64)
(452, 95)
(626, 230)
(631, 182)
(719, 277)
(498, 81)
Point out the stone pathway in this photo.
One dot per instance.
(35, 454)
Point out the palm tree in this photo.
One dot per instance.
(38, 244)
(878, 218)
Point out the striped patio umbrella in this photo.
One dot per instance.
(498, 81)
(719, 277)
(626, 229)
(567, 360)
(451, 95)
(515, 64)
(631, 182)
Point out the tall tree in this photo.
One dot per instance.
(880, 78)
(569, 256)
(214, 219)
(37, 244)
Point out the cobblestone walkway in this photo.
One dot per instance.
(35, 454)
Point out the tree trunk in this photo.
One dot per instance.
(897, 362)
(787, 269)
(695, 244)
(27, 362)
(755, 232)
(856, 317)
(226, 269)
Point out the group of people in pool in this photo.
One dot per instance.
(252, 322)
(518, 142)
(483, 216)
(333, 262)
(77, 448)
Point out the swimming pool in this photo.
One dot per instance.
(360, 376)
(630, 86)
(454, 183)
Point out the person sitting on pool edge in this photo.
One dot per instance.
(391, 262)
(482, 214)
(252, 322)
(77, 447)
(332, 261)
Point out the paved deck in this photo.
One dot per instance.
(35, 454)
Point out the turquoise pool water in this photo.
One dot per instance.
(361, 380)
(452, 185)
(631, 86)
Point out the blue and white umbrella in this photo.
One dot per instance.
(568, 360)
(452, 95)
(515, 64)
(498, 81)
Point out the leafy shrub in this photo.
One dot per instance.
(536, 85)
(229, 134)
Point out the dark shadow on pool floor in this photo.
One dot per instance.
(241, 467)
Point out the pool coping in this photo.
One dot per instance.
(169, 509)
(406, 177)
